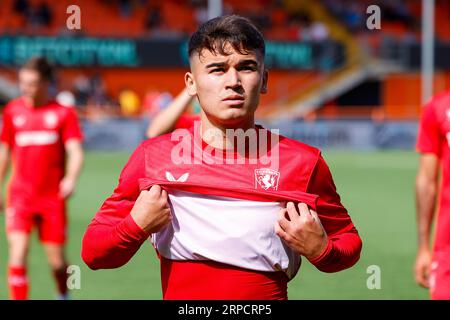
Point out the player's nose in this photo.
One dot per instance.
(233, 79)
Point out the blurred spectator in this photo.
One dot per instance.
(91, 97)
(99, 96)
(66, 98)
(397, 11)
(201, 11)
(154, 19)
(129, 103)
(277, 19)
(164, 100)
(261, 19)
(155, 101)
(318, 31)
(82, 90)
(40, 16)
(353, 16)
(150, 106)
(296, 28)
(22, 7)
(125, 8)
(96, 82)
(279, 14)
(353, 12)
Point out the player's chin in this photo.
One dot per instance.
(234, 116)
(238, 111)
(28, 95)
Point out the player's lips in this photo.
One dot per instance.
(234, 100)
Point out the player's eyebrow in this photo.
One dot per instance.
(215, 65)
(248, 62)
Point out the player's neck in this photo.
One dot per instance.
(216, 135)
(37, 101)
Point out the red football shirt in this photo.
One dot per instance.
(36, 137)
(223, 212)
(186, 121)
(434, 137)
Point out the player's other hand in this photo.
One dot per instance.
(301, 230)
(66, 187)
(151, 210)
(422, 267)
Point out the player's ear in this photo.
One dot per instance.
(264, 81)
(190, 84)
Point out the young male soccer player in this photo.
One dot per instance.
(229, 221)
(39, 134)
(432, 267)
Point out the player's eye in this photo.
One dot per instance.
(217, 70)
(247, 68)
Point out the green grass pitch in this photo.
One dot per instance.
(376, 187)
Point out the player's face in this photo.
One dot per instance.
(227, 86)
(31, 85)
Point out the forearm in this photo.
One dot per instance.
(426, 193)
(165, 121)
(3, 170)
(111, 246)
(113, 237)
(74, 161)
(342, 252)
(4, 163)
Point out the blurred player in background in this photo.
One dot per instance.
(44, 140)
(229, 231)
(176, 116)
(432, 267)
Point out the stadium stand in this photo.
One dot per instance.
(292, 92)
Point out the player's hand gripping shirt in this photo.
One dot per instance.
(36, 137)
(222, 212)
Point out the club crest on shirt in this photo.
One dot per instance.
(19, 120)
(266, 179)
(50, 120)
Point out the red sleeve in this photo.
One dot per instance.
(429, 138)
(7, 133)
(71, 127)
(344, 244)
(113, 237)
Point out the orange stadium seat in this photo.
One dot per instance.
(178, 17)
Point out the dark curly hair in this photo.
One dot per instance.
(215, 34)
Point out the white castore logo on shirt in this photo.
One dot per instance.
(183, 178)
(50, 120)
(19, 120)
(447, 112)
(266, 179)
